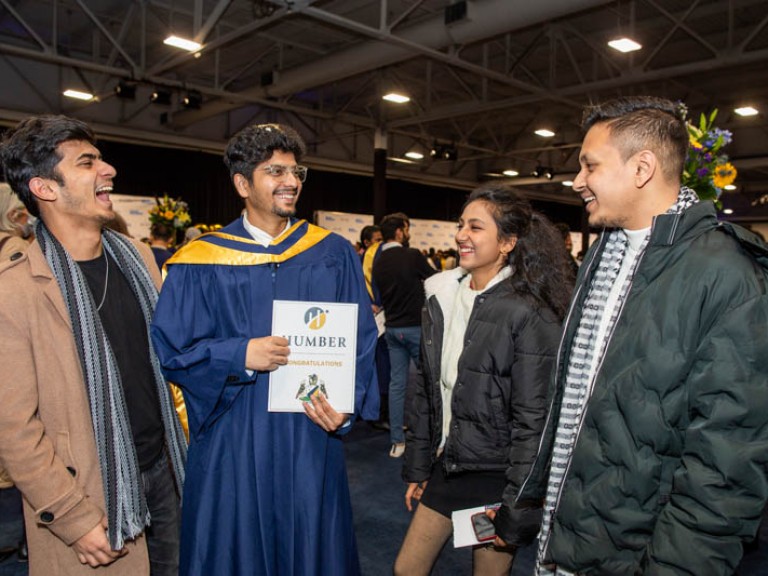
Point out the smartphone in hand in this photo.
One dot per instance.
(483, 527)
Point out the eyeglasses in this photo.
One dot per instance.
(279, 171)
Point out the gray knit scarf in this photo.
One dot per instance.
(127, 511)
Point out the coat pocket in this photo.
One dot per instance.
(64, 452)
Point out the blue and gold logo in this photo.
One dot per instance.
(315, 318)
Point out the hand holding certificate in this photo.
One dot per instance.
(322, 337)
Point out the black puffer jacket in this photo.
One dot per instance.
(500, 397)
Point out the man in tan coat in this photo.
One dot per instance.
(88, 431)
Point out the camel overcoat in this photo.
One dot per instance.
(46, 437)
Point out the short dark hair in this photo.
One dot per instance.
(390, 225)
(161, 231)
(402, 215)
(256, 144)
(366, 234)
(30, 151)
(645, 123)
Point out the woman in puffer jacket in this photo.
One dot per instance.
(490, 332)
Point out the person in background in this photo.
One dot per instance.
(433, 259)
(489, 338)
(562, 227)
(15, 229)
(383, 367)
(190, 234)
(89, 433)
(160, 238)
(266, 492)
(450, 259)
(14, 225)
(653, 460)
(399, 273)
(369, 235)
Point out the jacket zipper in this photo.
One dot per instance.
(609, 337)
(557, 376)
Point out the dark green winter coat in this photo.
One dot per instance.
(668, 475)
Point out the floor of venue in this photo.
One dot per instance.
(381, 519)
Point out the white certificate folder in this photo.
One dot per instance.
(323, 341)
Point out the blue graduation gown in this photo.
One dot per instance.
(266, 493)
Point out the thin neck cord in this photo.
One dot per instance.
(106, 282)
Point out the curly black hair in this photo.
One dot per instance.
(256, 144)
(541, 270)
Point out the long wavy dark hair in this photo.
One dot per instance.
(542, 272)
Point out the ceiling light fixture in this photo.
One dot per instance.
(444, 152)
(413, 155)
(545, 171)
(78, 95)
(161, 96)
(544, 133)
(396, 98)
(727, 211)
(624, 45)
(125, 90)
(729, 187)
(511, 173)
(183, 43)
(192, 100)
(567, 183)
(746, 111)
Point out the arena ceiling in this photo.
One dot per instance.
(482, 76)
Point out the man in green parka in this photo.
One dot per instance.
(654, 455)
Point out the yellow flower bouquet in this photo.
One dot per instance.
(707, 170)
(173, 213)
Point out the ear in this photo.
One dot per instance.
(242, 185)
(42, 190)
(508, 245)
(646, 165)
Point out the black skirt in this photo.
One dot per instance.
(445, 494)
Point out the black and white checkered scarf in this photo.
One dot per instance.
(127, 512)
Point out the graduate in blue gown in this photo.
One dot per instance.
(266, 493)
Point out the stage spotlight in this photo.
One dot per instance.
(192, 100)
(444, 152)
(125, 90)
(545, 171)
(161, 96)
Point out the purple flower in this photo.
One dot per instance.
(702, 172)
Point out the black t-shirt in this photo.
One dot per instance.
(126, 330)
(399, 275)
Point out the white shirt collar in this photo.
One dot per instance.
(258, 234)
(391, 244)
